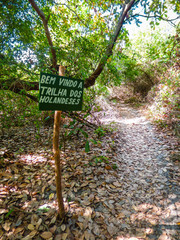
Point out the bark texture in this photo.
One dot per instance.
(58, 164)
(45, 23)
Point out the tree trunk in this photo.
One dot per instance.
(90, 81)
(58, 164)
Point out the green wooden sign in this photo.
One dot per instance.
(60, 93)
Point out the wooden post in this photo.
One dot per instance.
(58, 164)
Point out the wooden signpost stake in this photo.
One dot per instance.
(58, 164)
(59, 93)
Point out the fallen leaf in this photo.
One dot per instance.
(88, 213)
(108, 167)
(23, 185)
(1, 233)
(117, 184)
(43, 188)
(58, 237)
(87, 235)
(6, 226)
(92, 185)
(64, 236)
(51, 196)
(53, 229)
(53, 220)
(38, 223)
(96, 229)
(121, 215)
(34, 219)
(84, 184)
(30, 236)
(31, 227)
(86, 202)
(3, 211)
(52, 187)
(112, 229)
(63, 227)
(46, 235)
(80, 225)
(19, 229)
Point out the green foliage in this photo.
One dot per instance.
(87, 147)
(100, 159)
(43, 209)
(100, 131)
(17, 111)
(166, 106)
(74, 129)
(9, 213)
(154, 46)
(78, 30)
(147, 56)
(90, 96)
(80, 33)
(152, 58)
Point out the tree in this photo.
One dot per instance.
(81, 35)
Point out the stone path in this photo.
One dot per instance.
(149, 179)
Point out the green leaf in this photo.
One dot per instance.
(47, 118)
(10, 211)
(84, 133)
(70, 133)
(114, 166)
(93, 141)
(87, 147)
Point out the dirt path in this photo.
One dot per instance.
(149, 179)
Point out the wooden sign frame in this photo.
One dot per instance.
(60, 93)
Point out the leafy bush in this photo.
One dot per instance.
(165, 109)
(17, 111)
(149, 55)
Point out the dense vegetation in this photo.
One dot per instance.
(156, 75)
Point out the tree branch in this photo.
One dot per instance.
(91, 80)
(16, 86)
(164, 19)
(45, 23)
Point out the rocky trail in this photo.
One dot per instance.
(126, 187)
(150, 180)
